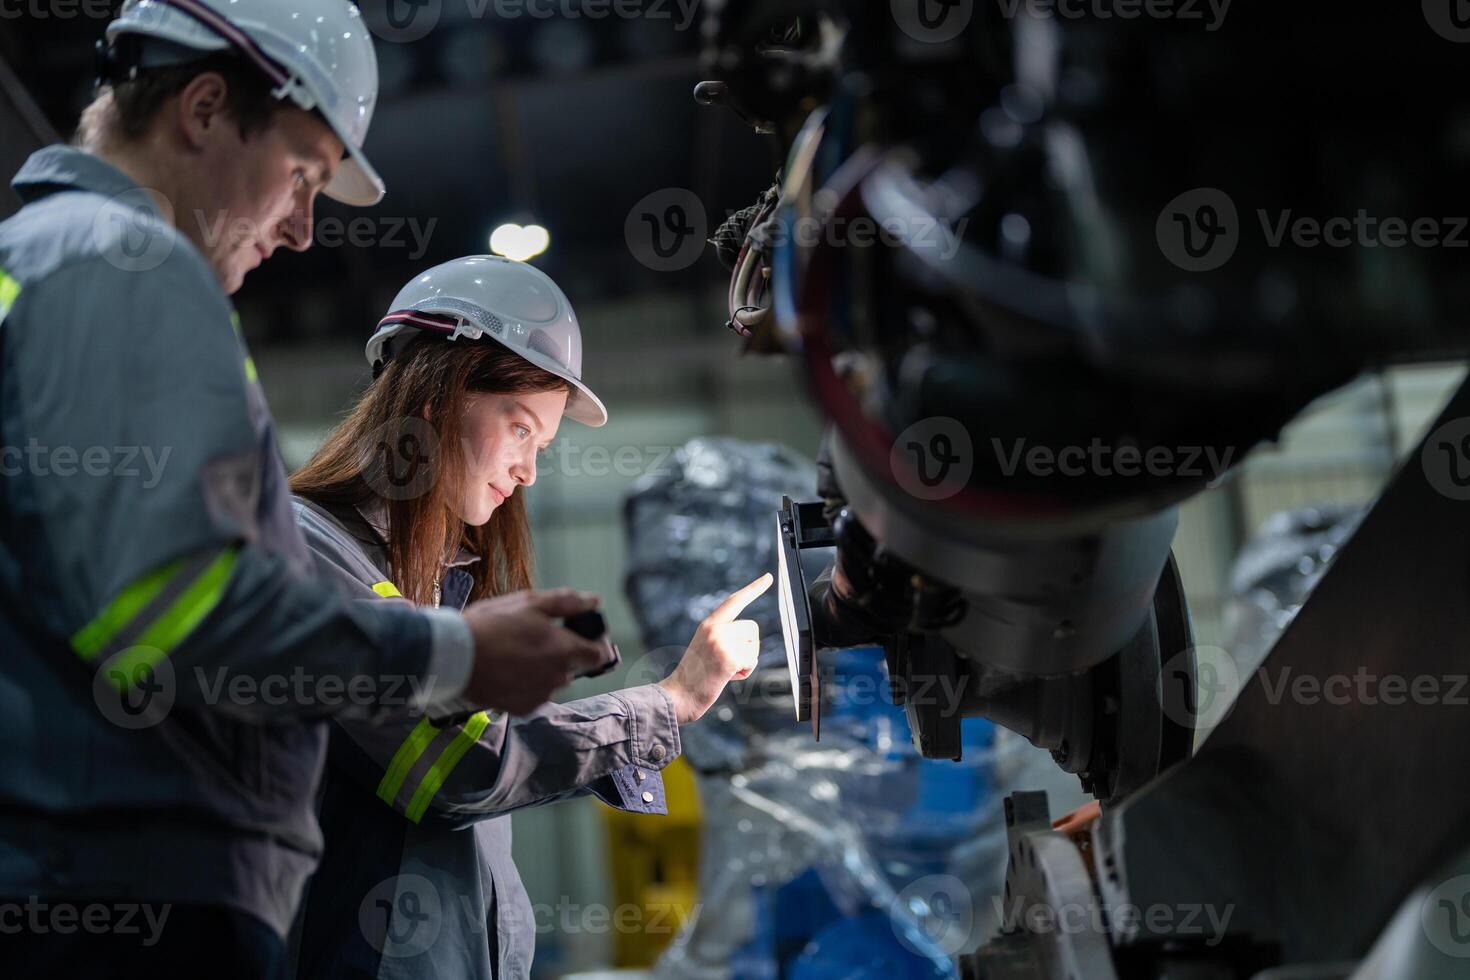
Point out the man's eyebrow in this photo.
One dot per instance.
(324, 169)
(320, 163)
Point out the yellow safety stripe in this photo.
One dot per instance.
(444, 765)
(174, 606)
(408, 753)
(418, 742)
(90, 639)
(167, 628)
(251, 374)
(9, 290)
(171, 629)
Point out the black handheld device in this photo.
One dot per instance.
(590, 625)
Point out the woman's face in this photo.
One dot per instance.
(501, 435)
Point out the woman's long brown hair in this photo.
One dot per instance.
(388, 429)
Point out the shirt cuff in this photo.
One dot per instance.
(451, 659)
(638, 790)
(655, 726)
(639, 787)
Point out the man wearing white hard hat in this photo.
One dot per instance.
(484, 355)
(169, 648)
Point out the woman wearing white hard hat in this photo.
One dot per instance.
(420, 496)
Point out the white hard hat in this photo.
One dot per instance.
(317, 53)
(510, 302)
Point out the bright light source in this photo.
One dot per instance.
(519, 243)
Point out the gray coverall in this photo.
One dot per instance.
(417, 881)
(167, 645)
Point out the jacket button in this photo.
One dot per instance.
(647, 797)
(657, 752)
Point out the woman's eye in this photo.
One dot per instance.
(522, 432)
(300, 178)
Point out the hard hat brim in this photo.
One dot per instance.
(582, 405)
(585, 407)
(355, 182)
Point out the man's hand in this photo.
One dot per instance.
(522, 654)
(724, 649)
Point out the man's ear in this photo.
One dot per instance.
(201, 108)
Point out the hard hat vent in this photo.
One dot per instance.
(542, 343)
(475, 314)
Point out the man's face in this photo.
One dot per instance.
(259, 191)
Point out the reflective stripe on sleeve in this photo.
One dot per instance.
(151, 617)
(251, 374)
(9, 290)
(408, 753)
(444, 765)
(418, 742)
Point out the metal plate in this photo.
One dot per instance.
(1313, 819)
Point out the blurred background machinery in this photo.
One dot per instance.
(1027, 296)
(850, 858)
(1070, 266)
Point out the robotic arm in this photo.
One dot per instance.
(1042, 277)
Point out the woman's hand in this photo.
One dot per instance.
(724, 649)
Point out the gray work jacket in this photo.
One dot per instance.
(417, 881)
(168, 650)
